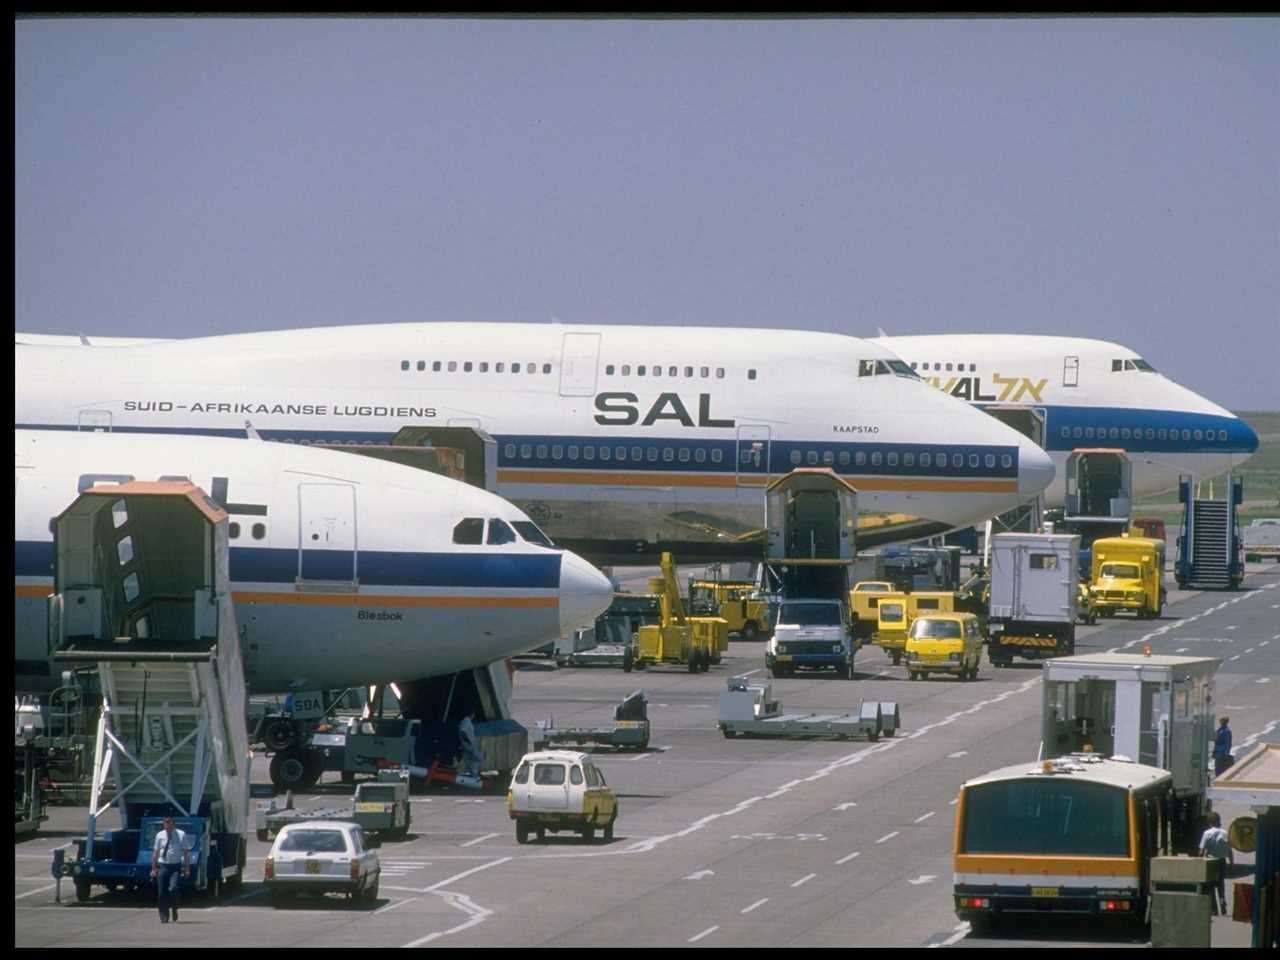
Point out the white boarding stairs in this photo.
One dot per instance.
(1210, 547)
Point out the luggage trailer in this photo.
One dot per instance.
(748, 709)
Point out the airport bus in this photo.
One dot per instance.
(1069, 836)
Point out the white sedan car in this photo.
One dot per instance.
(321, 856)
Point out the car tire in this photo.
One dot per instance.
(371, 890)
(750, 632)
(588, 833)
(608, 831)
(522, 832)
(897, 657)
(628, 660)
(83, 888)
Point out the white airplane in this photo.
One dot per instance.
(621, 441)
(345, 570)
(1089, 393)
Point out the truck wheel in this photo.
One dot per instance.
(913, 674)
(628, 660)
(693, 661)
(522, 832)
(588, 833)
(608, 831)
(294, 770)
(542, 834)
(750, 632)
(897, 657)
(82, 890)
(706, 661)
(279, 735)
(371, 891)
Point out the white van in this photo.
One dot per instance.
(560, 790)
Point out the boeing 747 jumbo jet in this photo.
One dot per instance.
(345, 570)
(620, 441)
(1089, 393)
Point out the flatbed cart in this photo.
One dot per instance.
(629, 731)
(604, 655)
(380, 806)
(748, 710)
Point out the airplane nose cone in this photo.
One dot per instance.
(585, 593)
(1246, 437)
(1035, 470)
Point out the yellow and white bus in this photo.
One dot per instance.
(1074, 835)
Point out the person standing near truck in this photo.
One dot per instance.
(168, 853)
(1216, 846)
(1222, 758)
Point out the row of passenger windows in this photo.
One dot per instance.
(501, 366)
(1138, 433)
(604, 452)
(477, 366)
(938, 367)
(812, 458)
(862, 458)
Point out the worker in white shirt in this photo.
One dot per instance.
(1215, 845)
(168, 854)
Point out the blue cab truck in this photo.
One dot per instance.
(121, 859)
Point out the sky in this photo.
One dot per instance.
(1111, 178)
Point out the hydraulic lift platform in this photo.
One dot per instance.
(748, 709)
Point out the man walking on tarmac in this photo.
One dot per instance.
(1222, 747)
(167, 855)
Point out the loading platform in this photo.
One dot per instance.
(629, 730)
(747, 709)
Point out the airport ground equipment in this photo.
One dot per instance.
(1099, 498)
(863, 599)
(737, 601)
(1182, 900)
(1154, 710)
(1210, 555)
(381, 806)
(1034, 596)
(896, 611)
(629, 730)
(1128, 574)
(141, 589)
(28, 792)
(748, 709)
(920, 567)
(696, 642)
(810, 634)
(1261, 540)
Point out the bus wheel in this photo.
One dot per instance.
(750, 632)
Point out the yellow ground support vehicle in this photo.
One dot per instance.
(1128, 574)
(862, 607)
(944, 643)
(747, 616)
(896, 611)
(694, 641)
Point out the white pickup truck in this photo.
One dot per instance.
(810, 634)
(1261, 540)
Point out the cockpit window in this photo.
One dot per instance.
(500, 532)
(878, 368)
(1135, 364)
(469, 531)
(530, 531)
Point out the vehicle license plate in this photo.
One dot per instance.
(1044, 891)
(370, 806)
(313, 866)
(783, 657)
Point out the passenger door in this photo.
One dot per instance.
(752, 455)
(1071, 371)
(579, 356)
(327, 540)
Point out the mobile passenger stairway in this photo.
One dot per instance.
(141, 589)
(1210, 556)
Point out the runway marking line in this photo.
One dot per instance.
(887, 836)
(961, 932)
(924, 818)
(32, 893)
(705, 933)
(759, 903)
(398, 903)
(480, 839)
(803, 880)
(856, 853)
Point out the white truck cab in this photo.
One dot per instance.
(810, 633)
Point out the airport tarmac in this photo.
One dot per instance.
(718, 842)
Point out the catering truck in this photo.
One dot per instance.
(1128, 574)
(1034, 596)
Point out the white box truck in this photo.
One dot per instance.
(1033, 596)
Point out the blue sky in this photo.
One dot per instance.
(1098, 177)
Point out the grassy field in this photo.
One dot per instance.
(1261, 477)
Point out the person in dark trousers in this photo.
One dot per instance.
(168, 855)
(1216, 846)
(1222, 747)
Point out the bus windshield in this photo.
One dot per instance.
(926, 629)
(1048, 816)
(1121, 571)
(811, 614)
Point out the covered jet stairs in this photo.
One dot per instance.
(142, 591)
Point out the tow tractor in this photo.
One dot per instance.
(748, 709)
(629, 731)
(141, 589)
